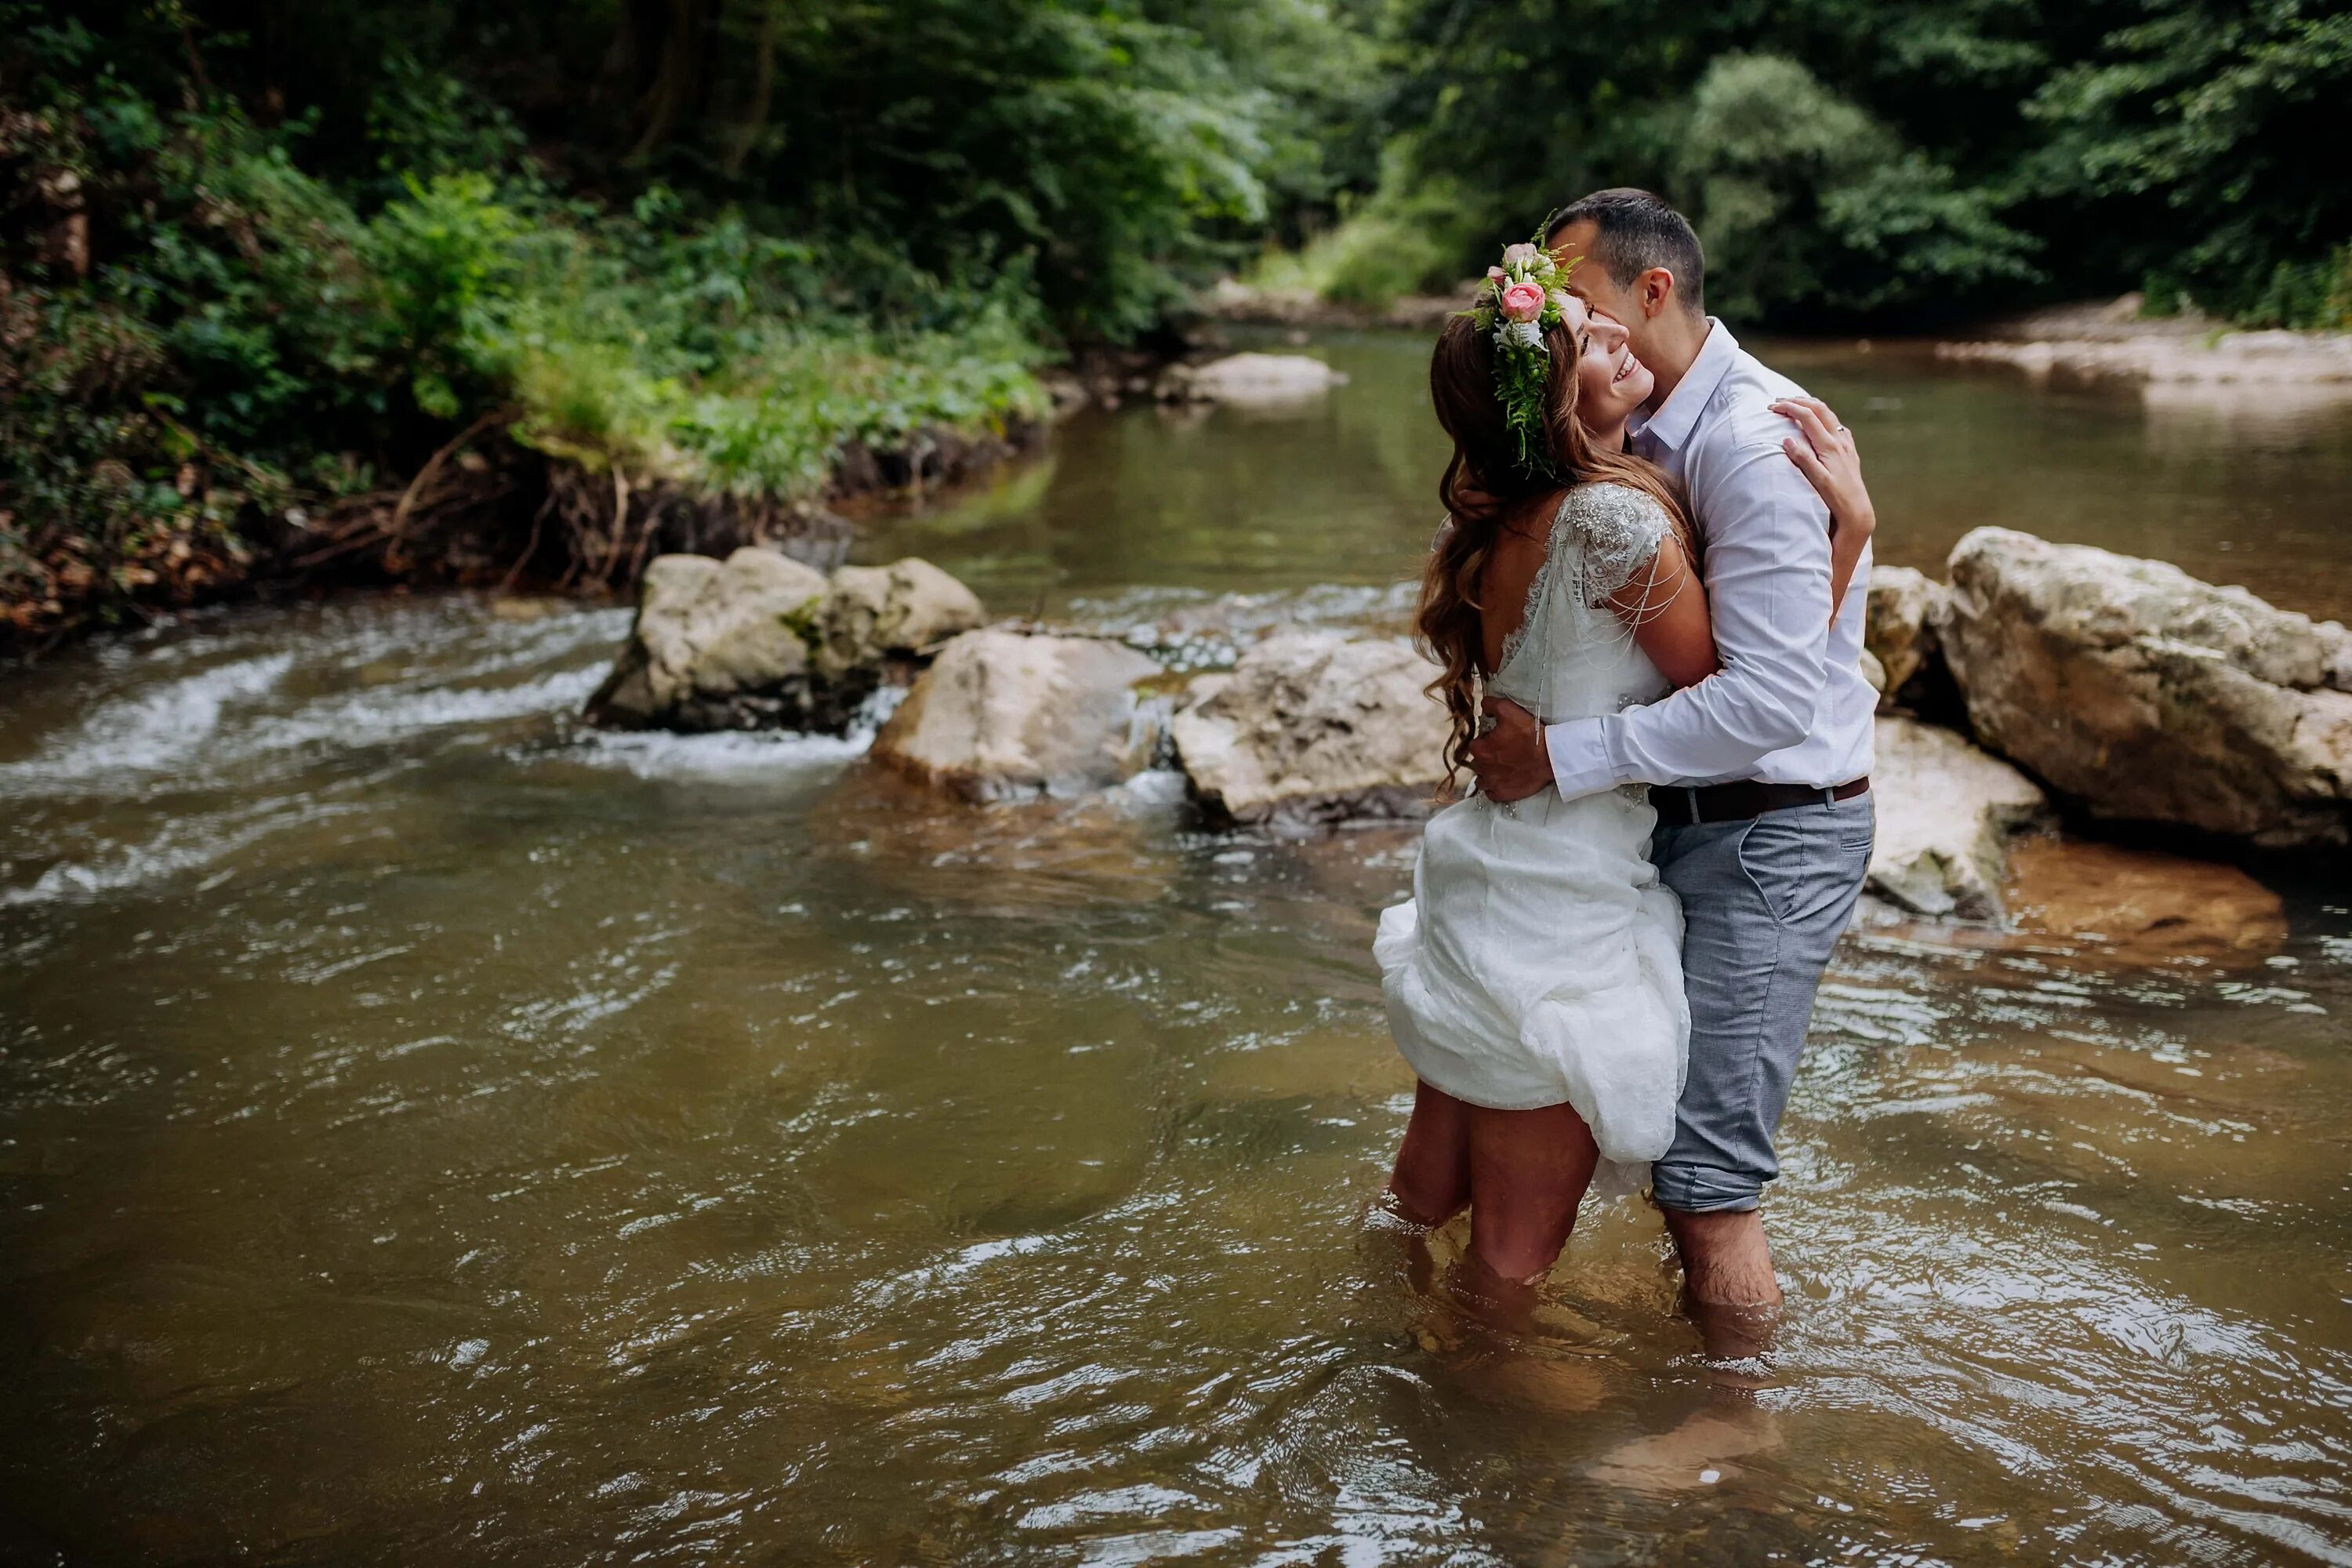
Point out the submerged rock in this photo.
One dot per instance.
(2143, 906)
(1315, 727)
(1248, 378)
(2149, 694)
(1947, 812)
(761, 641)
(1001, 715)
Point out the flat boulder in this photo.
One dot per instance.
(1947, 812)
(761, 641)
(1248, 379)
(1315, 727)
(1001, 715)
(2148, 695)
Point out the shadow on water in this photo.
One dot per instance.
(426, 1130)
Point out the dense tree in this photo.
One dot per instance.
(1864, 159)
(2219, 127)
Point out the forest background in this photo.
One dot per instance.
(286, 288)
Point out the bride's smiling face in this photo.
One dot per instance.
(1609, 382)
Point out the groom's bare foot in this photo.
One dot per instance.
(1737, 1341)
(1699, 1453)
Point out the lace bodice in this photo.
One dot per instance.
(1572, 657)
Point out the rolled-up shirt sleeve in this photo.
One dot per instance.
(1766, 569)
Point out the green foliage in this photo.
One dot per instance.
(1118, 152)
(236, 339)
(1803, 198)
(1409, 238)
(446, 258)
(100, 492)
(1865, 158)
(2211, 124)
(702, 357)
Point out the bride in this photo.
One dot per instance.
(1534, 979)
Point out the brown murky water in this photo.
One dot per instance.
(429, 1134)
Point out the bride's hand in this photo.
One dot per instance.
(1824, 453)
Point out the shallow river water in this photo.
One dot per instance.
(428, 1133)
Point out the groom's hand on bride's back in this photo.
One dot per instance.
(1510, 758)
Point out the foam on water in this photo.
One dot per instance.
(366, 718)
(240, 723)
(728, 754)
(147, 733)
(739, 755)
(182, 846)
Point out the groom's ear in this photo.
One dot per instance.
(1654, 291)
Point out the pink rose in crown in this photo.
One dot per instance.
(1521, 255)
(1522, 302)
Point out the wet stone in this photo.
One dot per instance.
(762, 641)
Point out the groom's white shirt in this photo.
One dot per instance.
(1790, 704)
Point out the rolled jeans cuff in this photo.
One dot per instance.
(1703, 1189)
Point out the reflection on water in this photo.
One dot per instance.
(426, 1131)
(2237, 485)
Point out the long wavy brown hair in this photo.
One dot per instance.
(1486, 491)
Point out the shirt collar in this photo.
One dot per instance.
(1671, 424)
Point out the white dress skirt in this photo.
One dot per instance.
(1539, 959)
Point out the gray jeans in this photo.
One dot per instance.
(1763, 902)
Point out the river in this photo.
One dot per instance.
(428, 1131)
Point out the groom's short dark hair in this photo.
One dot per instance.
(1636, 230)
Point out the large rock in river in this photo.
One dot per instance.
(761, 641)
(1946, 814)
(874, 614)
(1900, 632)
(1001, 715)
(1315, 727)
(2149, 694)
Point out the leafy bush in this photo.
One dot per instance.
(1805, 202)
(248, 346)
(2209, 121)
(1909, 162)
(1409, 238)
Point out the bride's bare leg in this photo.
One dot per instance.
(1528, 1170)
(1431, 1179)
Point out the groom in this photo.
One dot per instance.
(1759, 773)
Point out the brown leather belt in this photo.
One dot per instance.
(1680, 805)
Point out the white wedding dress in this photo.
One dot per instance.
(1539, 960)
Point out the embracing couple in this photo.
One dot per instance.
(1648, 603)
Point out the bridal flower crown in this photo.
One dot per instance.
(1519, 300)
